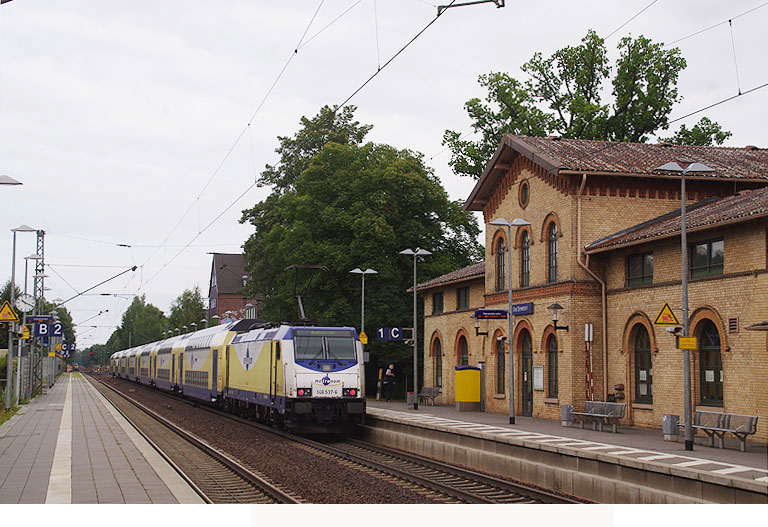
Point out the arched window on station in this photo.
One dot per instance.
(552, 252)
(552, 366)
(525, 260)
(500, 266)
(463, 351)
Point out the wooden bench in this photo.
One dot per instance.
(428, 394)
(599, 413)
(717, 424)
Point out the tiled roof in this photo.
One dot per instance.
(229, 269)
(642, 158)
(745, 205)
(467, 273)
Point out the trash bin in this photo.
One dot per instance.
(671, 427)
(566, 415)
(410, 398)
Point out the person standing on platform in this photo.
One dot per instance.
(389, 381)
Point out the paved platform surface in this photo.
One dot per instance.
(71, 446)
(636, 443)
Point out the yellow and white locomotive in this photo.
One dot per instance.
(303, 378)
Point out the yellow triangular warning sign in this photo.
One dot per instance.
(57, 348)
(7, 314)
(666, 317)
(363, 337)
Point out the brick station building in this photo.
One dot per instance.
(604, 243)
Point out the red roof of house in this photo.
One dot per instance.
(714, 212)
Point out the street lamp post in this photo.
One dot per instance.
(23, 325)
(362, 274)
(416, 253)
(517, 222)
(8, 180)
(9, 368)
(693, 167)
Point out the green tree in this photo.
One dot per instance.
(141, 323)
(355, 205)
(186, 309)
(704, 133)
(564, 96)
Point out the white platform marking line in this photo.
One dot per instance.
(765, 478)
(553, 439)
(657, 456)
(60, 480)
(696, 462)
(730, 470)
(601, 447)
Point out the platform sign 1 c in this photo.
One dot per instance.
(389, 334)
(666, 317)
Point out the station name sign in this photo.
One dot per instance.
(501, 314)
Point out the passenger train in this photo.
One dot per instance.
(303, 378)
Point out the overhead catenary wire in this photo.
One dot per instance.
(241, 134)
(630, 20)
(255, 183)
(713, 26)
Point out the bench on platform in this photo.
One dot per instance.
(428, 394)
(599, 413)
(717, 424)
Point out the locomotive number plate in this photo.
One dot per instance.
(319, 390)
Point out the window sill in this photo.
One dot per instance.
(551, 400)
(706, 408)
(642, 406)
(499, 396)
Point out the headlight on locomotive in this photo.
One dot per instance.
(350, 392)
(304, 392)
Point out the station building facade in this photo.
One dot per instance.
(604, 243)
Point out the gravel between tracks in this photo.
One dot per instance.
(313, 478)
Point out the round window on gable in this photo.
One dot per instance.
(524, 193)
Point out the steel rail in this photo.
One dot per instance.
(267, 488)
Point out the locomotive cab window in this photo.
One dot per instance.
(324, 345)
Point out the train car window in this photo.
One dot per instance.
(341, 347)
(324, 344)
(308, 346)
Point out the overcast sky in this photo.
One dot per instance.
(119, 117)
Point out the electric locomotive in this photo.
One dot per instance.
(304, 378)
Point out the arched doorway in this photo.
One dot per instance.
(710, 364)
(525, 343)
(437, 353)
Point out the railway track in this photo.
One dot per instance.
(216, 477)
(440, 481)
